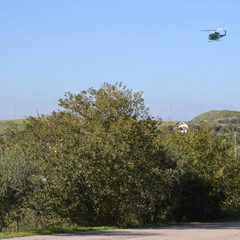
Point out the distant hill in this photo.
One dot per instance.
(217, 115)
(222, 121)
(4, 124)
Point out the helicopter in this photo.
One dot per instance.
(216, 35)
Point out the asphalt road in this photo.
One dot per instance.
(206, 231)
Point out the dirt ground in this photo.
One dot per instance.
(206, 231)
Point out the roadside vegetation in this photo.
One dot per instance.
(103, 160)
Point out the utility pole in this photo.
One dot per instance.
(15, 112)
(169, 117)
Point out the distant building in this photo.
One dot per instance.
(182, 127)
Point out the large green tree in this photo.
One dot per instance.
(100, 158)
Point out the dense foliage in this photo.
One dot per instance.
(103, 160)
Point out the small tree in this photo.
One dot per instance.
(204, 161)
(14, 181)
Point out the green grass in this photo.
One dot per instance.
(73, 230)
(50, 231)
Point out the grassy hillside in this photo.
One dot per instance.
(224, 122)
(4, 124)
(216, 115)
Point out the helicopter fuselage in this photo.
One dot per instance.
(215, 36)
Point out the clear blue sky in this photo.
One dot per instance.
(49, 47)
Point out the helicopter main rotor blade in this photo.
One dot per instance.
(208, 30)
(213, 30)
